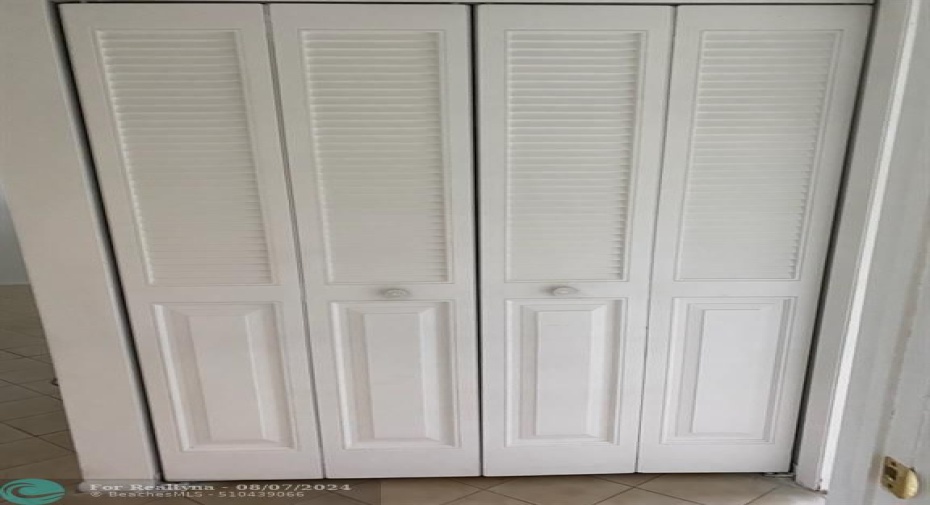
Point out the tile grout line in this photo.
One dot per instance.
(675, 497)
(68, 431)
(6, 421)
(616, 495)
(32, 435)
(601, 477)
(491, 490)
(763, 495)
(17, 429)
(456, 479)
(360, 502)
(639, 486)
(476, 491)
(20, 356)
(753, 500)
(39, 393)
(35, 437)
(71, 455)
(309, 501)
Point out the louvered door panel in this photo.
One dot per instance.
(376, 105)
(759, 108)
(180, 113)
(572, 107)
(571, 121)
(182, 121)
(378, 121)
(759, 115)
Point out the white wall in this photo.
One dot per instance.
(887, 302)
(12, 269)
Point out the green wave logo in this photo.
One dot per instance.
(32, 492)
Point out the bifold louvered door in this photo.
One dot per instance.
(609, 225)
(181, 114)
(377, 107)
(759, 113)
(572, 106)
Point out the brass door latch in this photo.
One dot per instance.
(899, 479)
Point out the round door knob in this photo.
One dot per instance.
(395, 293)
(564, 291)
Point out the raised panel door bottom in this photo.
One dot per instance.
(724, 375)
(562, 371)
(229, 386)
(396, 374)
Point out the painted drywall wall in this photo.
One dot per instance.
(12, 269)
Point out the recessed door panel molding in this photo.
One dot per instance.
(378, 128)
(759, 113)
(725, 353)
(563, 359)
(384, 408)
(231, 387)
(181, 115)
(572, 102)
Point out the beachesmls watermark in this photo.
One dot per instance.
(47, 492)
(32, 491)
(267, 491)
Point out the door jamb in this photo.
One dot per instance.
(847, 285)
(46, 172)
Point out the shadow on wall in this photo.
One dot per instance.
(12, 269)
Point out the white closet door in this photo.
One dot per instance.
(572, 109)
(377, 110)
(759, 115)
(182, 120)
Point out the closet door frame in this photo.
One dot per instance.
(91, 343)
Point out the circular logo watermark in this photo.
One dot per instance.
(32, 492)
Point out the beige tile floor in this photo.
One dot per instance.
(35, 443)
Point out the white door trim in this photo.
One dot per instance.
(847, 286)
(46, 174)
(897, 231)
(908, 439)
